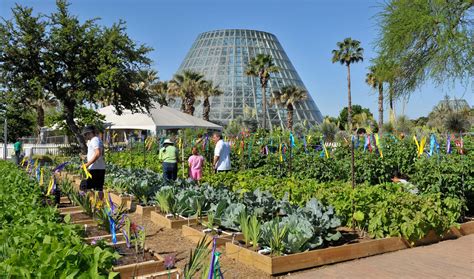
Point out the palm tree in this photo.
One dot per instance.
(186, 86)
(349, 52)
(374, 79)
(160, 92)
(287, 97)
(208, 90)
(261, 66)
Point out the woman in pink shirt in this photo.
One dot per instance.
(196, 162)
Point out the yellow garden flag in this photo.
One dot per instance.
(377, 143)
(326, 153)
(23, 161)
(281, 153)
(41, 182)
(86, 171)
(422, 146)
(50, 187)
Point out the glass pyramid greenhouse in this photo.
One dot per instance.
(222, 57)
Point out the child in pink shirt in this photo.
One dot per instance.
(196, 162)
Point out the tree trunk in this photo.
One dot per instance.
(290, 117)
(264, 107)
(189, 104)
(69, 109)
(206, 108)
(390, 99)
(349, 121)
(39, 120)
(183, 105)
(380, 108)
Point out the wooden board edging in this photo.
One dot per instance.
(140, 269)
(195, 236)
(314, 258)
(145, 210)
(162, 221)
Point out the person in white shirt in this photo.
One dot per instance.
(221, 162)
(95, 160)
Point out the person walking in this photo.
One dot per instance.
(221, 161)
(17, 146)
(195, 162)
(169, 156)
(95, 161)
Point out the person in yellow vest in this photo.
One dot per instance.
(169, 156)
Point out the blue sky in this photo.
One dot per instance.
(307, 29)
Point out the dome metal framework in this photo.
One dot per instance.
(222, 57)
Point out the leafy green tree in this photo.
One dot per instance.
(20, 122)
(75, 62)
(261, 66)
(349, 51)
(427, 39)
(287, 97)
(356, 110)
(207, 90)
(186, 86)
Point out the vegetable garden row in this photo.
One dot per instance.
(270, 212)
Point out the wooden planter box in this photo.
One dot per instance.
(145, 210)
(162, 221)
(88, 222)
(64, 200)
(107, 237)
(309, 259)
(167, 274)
(70, 210)
(125, 201)
(195, 236)
(143, 269)
(467, 228)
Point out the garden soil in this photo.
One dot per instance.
(171, 242)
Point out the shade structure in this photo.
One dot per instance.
(222, 56)
(159, 118)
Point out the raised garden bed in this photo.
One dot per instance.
(168, 274)
(70, 210)
(195, 234)
(171, 222)
(130, 265)
(282, 264)
(125, 201)
(145, 210)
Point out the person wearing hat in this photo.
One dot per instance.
(95, 160)
(169, 156)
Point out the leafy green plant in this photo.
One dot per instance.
(104, 216)
(254, 231)
(244, 226)
(273, 235)
(196, 258)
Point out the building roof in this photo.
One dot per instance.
(159, 118)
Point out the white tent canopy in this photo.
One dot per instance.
(159, 118)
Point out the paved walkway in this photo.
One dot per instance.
(447, 259)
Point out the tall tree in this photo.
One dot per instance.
(287, 97)
(349, 51)
(77, 63)
(261, 66)
(187, 87)
(207, 90)
(428, 39)
(375, 80)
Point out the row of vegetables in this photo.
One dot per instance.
(382, 210)
(33, 241)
